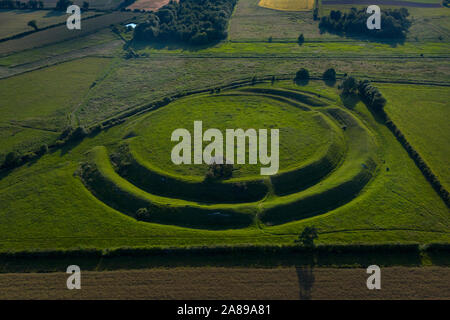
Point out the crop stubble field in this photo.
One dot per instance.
(61, 33)
(232, 283)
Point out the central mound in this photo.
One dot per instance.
(303, 135)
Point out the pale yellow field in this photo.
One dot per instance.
(288, 5)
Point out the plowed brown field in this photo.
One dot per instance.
(232, 283)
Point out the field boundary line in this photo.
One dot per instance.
(26, 33)
(263, 235)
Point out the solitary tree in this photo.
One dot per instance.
(218, 171)
(302, 74)
(307, 237)
(33, 24)
(316, 14)
(85, 6)
(300, 39)
(330, 74)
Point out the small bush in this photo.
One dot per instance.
(307, 237)
(28, 156)
(43, 149)
(12, 159)
(142, 214)
(79, 133)
(301, 39)
(218, 171)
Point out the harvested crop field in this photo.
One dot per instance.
(61, 33)
(383, 2)
(232, 283)
(15, 21)
(288, 5)
(148, 5)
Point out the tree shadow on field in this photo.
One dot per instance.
(4, 173)
(54, 13)
(306, 279)
(139, 45)
(329, 82)
(66, 148)
(349, 100)
(392, 42)
(301, 82)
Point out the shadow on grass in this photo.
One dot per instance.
(330, 82)
(141, 45)
(301, 82)
(392, 42)
(67, 147)
(350, 100)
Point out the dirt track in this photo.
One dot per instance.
(232, 283)
(382, 2)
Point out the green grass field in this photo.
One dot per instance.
(39, 112)
(302, 137)
(343, 49)
(418, 112)
(64, 214)
(52, 50)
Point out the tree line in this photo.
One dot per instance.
(10, 4)
(61, 5)
(394, 23)
(195, 22)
